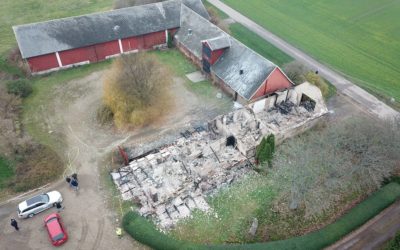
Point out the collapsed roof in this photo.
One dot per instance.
(74, 32)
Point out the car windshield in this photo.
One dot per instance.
(58, 237)
(40, 198)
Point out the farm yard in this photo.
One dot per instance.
(298, 193)
(359, 38)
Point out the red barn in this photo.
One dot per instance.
(66, 42)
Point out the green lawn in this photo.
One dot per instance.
(15, 12)
(258, 44)
(233, 210)
(145, 232)
(6, 171)
(181, 66)
(34, 107)
(360, 38)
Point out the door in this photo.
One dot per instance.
(206, 66)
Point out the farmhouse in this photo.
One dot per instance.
(67, 42)
(240, 71)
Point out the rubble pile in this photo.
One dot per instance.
(173, 181)
(170, 182)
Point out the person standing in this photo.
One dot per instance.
(14, 223)
(59, 207)
(74, 184)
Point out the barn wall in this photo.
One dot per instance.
(132, 43)
(106, 49)
(260, 92)
(215, 54)
(43, 62)
(189, 54)
(277, 81)
(78, 55)
(153, 39)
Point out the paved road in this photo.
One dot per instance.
(374, 233)
(361, 97)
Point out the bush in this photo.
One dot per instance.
(6, 172)
(104, 115)
(316, 80)
(136, 90)
(144, 231)
(296, 71)
(170, 40)
(271, 142)
(266, 149)
(394, 244)
(20, 87)
(38, 166)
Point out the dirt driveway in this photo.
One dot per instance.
(89, 221)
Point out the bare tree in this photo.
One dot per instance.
(314, 171)
(296, 71)
(136, 89)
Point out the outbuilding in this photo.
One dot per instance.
(63, 43)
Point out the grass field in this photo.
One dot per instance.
(180, 66)
(360, 38)
(43, 86)
(6, 171)
(258, 44)
(15, 12)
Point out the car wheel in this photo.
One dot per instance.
(31, 215)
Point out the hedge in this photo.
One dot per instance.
(144, 231)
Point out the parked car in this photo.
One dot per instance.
(55, 229)
(38, 203)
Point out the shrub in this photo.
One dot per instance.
(271, 142)
(170, 40)
(296, 71)
(144, 231)
(394, 244)
(266, 149)
(104, 115)
(20, 87)
(317, 80)
(37, 167)
(136, 90)
(6, 171)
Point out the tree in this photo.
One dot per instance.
(316, 170)
(296, 71)
(215, 19)
(136, 90)
(265, 150)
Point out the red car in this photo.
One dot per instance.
(56, 230)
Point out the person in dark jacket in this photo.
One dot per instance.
(74, 184)
(14, 223)
(59, 206)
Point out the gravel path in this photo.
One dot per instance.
(89, 220)
(374, 233)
